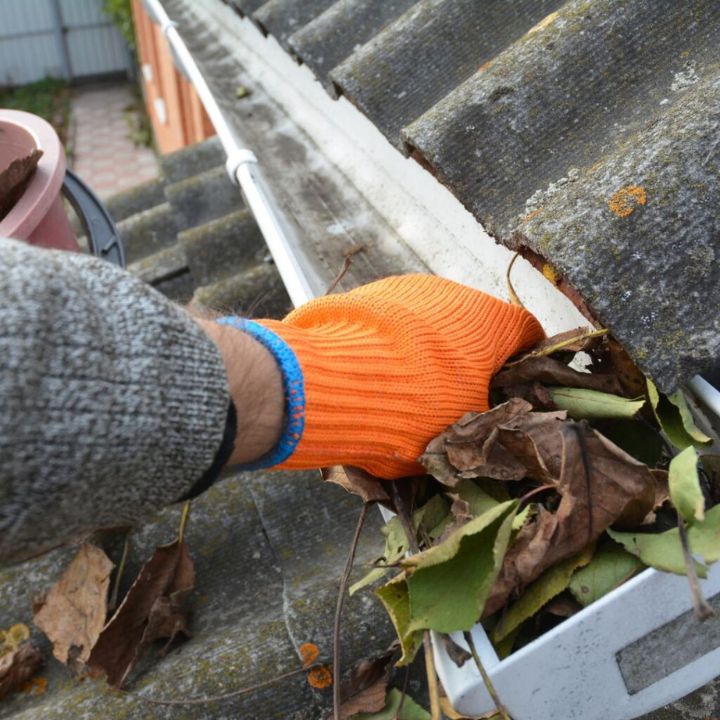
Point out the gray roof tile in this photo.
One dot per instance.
(336, 34)
(543, 118)
(283, 17)
(428, 51)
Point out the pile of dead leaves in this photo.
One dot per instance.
(91, 640)
(573, 482)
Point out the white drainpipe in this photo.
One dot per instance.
(242, 167)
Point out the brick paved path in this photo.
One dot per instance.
(103, 154)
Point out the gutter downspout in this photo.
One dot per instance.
(243, 169)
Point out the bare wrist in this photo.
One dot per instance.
(256, 389)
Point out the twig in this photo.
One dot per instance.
(404, 518)
(535, 491)
(701, 608)
(433, 688)
(514, 299)
(486, 678)
(406, 680)
(234, 693)
(338, 611)
(558, 346)
(183, 520)
(347, 262)
(112, 603)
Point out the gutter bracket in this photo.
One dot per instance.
(236, 159)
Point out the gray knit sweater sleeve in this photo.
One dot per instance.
(113, 402)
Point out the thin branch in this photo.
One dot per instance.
(404, 518)
(347, 262)
(183, 520)
(535, 491)
(339, 608)
(112, 603)
(701, 607)
(433, 688)
(558, 346)
(406, 680)
(514, 299)
(234, 693)
(486, 678)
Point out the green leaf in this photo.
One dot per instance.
(583, 403)
(371, 577)
(504, 647)
(396, 546)
(675, 418)
(551, 583)
(663, 551)
(434, 515)
(450, 582)
(684, 483)
(394, 596)
(611, 566)
(521, 517)
(478, 500)
(410, 710)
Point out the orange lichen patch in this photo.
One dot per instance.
(595, 166)
(485, 66)
(320, 677)
(34, 686)
(545, 22)
(533, 214)
(309, 653)
(550, 273)
(626, 199)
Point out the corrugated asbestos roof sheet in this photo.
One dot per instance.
(586, 132)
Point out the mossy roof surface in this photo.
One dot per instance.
(588, 132)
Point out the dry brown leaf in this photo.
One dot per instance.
(535, 393)
(152, 609)
(599, 484)
(18, 666)
(73, 612)
(461, 514)
(550, 371)
(507, 443)
(356, 481)
(563, 606)
(468, 448)
(662, 487)
(459, 655)
(15, 178)
(578, 334)
(631, 380)
(365, 688)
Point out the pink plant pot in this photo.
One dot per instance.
(39, 215)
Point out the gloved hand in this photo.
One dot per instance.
(372, 375)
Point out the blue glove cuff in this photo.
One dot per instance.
(293, 387)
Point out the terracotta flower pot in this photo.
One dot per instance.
(39, 215)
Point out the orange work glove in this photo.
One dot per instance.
(372, 375)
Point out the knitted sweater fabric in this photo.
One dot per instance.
(113, 402)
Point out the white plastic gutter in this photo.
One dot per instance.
(243, 169)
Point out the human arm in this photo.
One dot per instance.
(113, 401)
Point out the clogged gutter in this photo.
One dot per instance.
(569, 485)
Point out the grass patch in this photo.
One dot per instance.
(48, 98)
